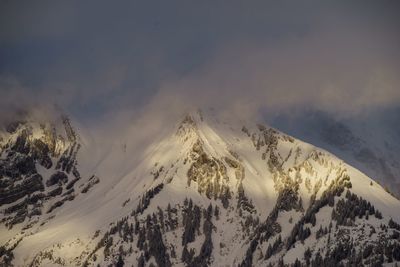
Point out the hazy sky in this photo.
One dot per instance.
(95, 57)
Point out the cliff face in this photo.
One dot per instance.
(37, 171)
(209, 193)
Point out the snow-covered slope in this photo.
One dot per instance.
(369, 142)
(204, 192)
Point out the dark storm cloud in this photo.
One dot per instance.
(92, 57)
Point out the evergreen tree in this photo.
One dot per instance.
(120, 262)
(216, 213)
(307, 256)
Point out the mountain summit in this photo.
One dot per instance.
(206, 192)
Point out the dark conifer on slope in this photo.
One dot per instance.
(208, 195)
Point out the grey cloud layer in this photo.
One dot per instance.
(92, 57)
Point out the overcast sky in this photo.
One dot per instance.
(93, 58)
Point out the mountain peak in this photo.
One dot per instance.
(211, 193)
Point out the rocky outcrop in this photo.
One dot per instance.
(29, 185)
(27, 148)
(57, 178)
(261, 202)
(209, 174)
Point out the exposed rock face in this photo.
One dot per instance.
(371, 145)
(26, 148)
(57, 178)
(28, 186)
(208, 195)
(209, 174)
(41, 152)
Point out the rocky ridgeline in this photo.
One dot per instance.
(316, 217)
(209, 174)
(24, 190)
(170, 236)
(347, 244)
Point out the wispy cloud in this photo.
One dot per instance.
(95, 59)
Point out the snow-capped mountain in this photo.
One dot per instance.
(204, 192)
(370, 143)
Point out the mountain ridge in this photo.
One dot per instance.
(215, 193)
(369, 143)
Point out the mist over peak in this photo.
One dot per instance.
(336, 57)
(170, 133)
